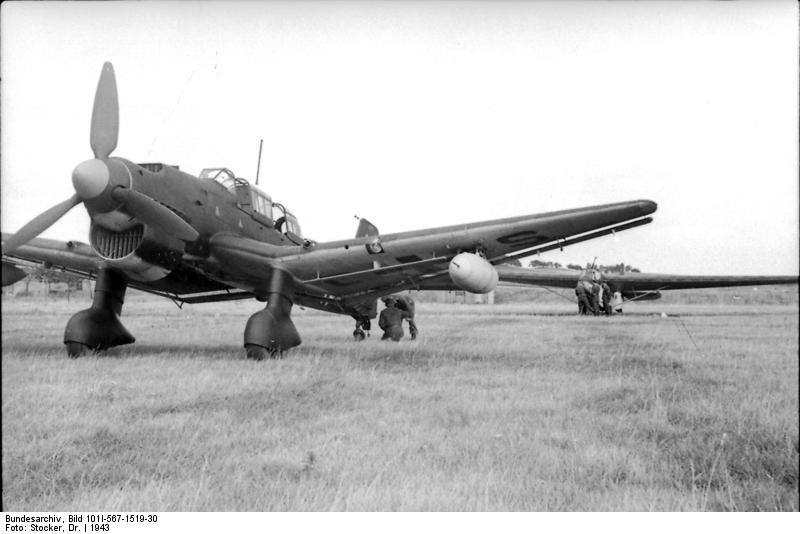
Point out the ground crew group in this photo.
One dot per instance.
(594, 295)
(391, 318)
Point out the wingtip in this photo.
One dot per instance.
(647, 206)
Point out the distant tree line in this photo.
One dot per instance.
(48, 276)
(620, 268)
(533, 264)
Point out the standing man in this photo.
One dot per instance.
(391, 320)
(583, 301)
(404, 302)
(605, 291)
(594, 299)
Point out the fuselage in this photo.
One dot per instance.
(216, 202)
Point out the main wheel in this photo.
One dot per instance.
(359, 335)
(256, 352)
(76, 349)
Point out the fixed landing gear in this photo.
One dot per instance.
(258, 353)
(271, 331)
(75, 349)
(363, 326)
(98, 327)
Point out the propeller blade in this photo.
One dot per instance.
(105, 115)
(151, 212)
(39, 224)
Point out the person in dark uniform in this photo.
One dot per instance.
(583, 300)
(391, 320)
(606, 296)
(406, 303)
(594, 299)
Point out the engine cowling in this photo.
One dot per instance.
(472, 273)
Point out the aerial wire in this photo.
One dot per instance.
(169, 115)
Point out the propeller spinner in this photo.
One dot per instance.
(91, 179)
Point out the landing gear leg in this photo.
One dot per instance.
(258, 353)
(98, 327)
(363, 327)
(271, 331)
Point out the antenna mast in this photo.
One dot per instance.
(258, 168)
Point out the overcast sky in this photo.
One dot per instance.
(421, 114)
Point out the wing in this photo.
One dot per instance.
(337, 274)
(72, 256)
(631, 283)
(80, 259)
(538, 277)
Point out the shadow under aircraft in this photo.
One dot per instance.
(216, 237)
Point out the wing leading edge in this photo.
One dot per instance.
(81, 259)
(72, 256)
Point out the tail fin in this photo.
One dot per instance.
(366, 228)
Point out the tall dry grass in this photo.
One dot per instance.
(493, 408)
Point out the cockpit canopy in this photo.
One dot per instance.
(260, 205)
(287, 223)
(223, 177)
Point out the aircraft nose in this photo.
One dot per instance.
(90, 178)
(647, 206)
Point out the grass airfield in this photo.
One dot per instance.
(518, 406)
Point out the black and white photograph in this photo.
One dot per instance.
(351, 256)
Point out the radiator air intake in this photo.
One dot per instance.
(115, 245)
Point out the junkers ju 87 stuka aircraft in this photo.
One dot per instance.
(631, 285)
(216, 237)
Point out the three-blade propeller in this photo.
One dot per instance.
(105, 114)
(91, 178)
(40, 223)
